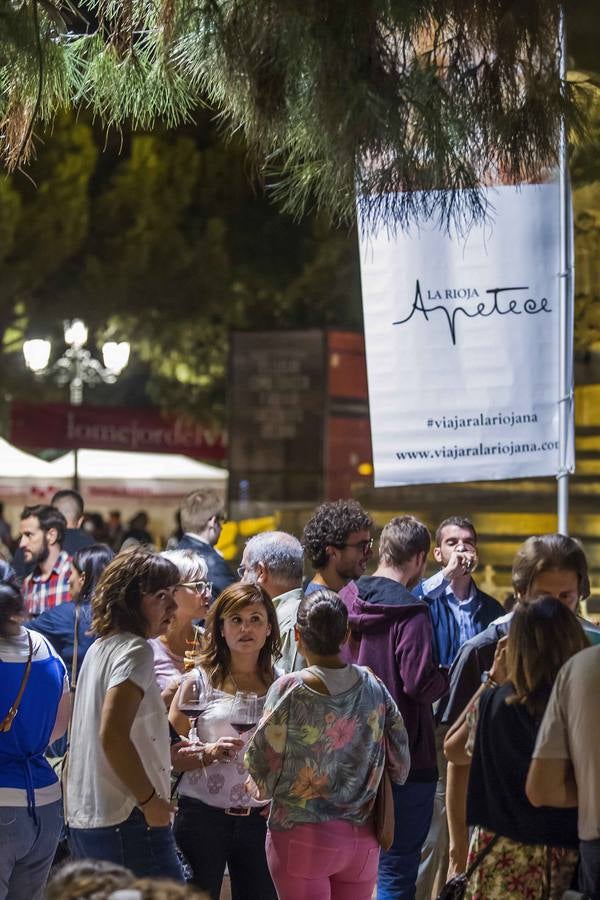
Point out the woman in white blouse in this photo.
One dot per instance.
(118, 773)
(217, 822)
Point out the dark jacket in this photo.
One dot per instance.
(76, 539)
(475, 657)
(445, 627)
(391, 633)
(58, 625)
(218, 571)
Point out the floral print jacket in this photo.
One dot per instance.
(320, 757)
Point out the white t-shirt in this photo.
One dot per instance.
(16, 650)
(95, 797)
(569, 730)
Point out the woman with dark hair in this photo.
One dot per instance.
(318, 755)
(118, 771)
(534, 850)
(241, 640)
(552, 564)
(34, 709)
(69, 624)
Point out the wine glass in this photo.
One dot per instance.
(195, 694)
(244, 711)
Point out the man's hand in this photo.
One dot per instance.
(158, 812)
(461, 562)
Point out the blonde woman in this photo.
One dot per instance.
(182, 639)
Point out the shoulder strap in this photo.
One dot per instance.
(75, 663)
(481, 856)
(7, 721)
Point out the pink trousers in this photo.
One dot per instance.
(326, 861)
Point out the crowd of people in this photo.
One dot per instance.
(315, 732)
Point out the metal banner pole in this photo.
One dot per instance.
(565, 313)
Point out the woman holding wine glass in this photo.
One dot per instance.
(224, 696)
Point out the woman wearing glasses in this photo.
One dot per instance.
(182, 637)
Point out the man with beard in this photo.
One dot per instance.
(337, 540)
(42, 533)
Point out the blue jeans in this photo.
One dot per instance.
(209, 839)
(148, 852)
(398, 868)
(27, 849)
(589, 868)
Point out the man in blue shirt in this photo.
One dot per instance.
(459, 610)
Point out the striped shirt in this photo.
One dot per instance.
(39, 594)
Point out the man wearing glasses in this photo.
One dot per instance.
(202, 517)
(337, 540)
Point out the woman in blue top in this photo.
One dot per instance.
(30, 796)
(61, 623)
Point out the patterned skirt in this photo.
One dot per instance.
(513, 871)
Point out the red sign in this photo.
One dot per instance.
(112, 428)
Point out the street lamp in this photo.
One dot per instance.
(77, 366)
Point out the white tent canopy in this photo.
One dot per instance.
(108, 473)
(17, 467)
(122, 473)
(123, 465)
(108, 479)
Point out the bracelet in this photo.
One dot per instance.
(488, 681)
(148, 799)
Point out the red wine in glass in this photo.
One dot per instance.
(195, 694)
(244, 711)
(243, 727)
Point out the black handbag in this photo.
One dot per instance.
(456, 887)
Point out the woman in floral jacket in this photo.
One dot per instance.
(318, 754)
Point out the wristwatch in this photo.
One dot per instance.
(487, 679)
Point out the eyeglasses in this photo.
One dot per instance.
(363, 546)
(201, 587)
(241, 571)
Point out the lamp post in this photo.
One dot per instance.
(77, 366)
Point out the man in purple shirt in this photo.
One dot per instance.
(391, 633)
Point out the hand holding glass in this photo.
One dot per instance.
(194, 697)
(244, 711)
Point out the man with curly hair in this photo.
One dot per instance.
(337, 540)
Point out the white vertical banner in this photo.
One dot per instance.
(462, 340)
